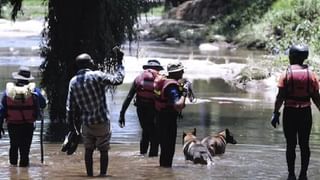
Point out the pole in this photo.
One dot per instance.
(41, 134)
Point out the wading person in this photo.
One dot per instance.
(169, 102)
(86, 105)
(143, 88)
(296, 87)
(20, 107)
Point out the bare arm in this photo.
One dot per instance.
(128, 99)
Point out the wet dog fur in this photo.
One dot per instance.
(216, 144)
(193, 149)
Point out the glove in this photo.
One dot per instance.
(122, 122)
(1, 132)
(275, 119)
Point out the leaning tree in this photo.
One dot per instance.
(77, 26)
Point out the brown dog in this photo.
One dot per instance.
(216, 144)
(193, 149)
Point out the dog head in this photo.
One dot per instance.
(189, 136)
(229, 137)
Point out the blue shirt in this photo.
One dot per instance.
(86, 101)
(40, 104)
(173, 93)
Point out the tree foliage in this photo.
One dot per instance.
(77, 26)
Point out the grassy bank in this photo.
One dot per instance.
(273, 25)
(31, 9)
(277, 26)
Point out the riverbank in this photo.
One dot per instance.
(197, 67)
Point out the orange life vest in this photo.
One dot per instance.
(162, 102)
(20, 104)
(298, 86)
(145, 86)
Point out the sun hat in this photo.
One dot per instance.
(175, 67)
(24, 73)
(153, 64)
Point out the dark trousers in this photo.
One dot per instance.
(297, 123)
(167, 134)
(20, 141)
(146, 115)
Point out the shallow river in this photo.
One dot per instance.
(259, 154)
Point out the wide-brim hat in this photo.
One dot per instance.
(175, 67)
(24, 73)
(153, 64)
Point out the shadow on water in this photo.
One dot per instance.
(259, 154)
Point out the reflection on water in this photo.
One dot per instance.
(260, 153)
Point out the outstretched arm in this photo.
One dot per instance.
(114, 79)
(125, 105)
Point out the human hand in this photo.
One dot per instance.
(186, 88)
(118, 54)
(275, 119)
(122, 122)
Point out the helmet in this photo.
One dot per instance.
(84, 60)
(298, 53)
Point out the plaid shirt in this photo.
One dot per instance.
(86, 101)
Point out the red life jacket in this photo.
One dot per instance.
(145, 86)
(20, 104)
(162, 102)
(298, 86)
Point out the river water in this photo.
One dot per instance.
(259, 154)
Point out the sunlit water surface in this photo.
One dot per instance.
(259, 154)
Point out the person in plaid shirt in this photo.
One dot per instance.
(86, 105)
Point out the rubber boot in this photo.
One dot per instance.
(89, 162)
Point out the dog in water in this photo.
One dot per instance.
(216, 144)
(193, 149)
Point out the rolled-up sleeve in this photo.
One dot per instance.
(114, 79)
